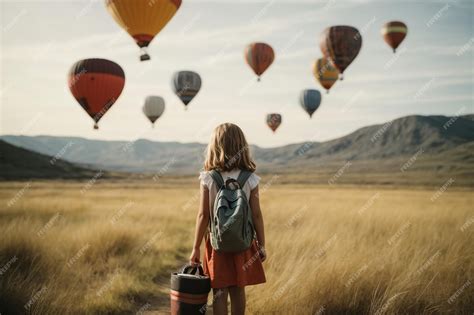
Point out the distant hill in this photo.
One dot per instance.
(394, 140)
(440, 143)
(136, 156)
(19, 163)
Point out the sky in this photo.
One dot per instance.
(431, 74)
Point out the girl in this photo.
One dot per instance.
(228, 153)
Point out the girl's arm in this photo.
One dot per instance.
(202, 221)
(258, 220)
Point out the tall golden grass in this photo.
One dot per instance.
(108, 248)
(366, 251)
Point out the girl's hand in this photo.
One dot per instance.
(262, 253)
(195, 257)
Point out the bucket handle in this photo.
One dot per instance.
(195, 270)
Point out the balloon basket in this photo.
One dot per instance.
(145, 57)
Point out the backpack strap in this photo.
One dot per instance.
(217, 177)
(243, 176)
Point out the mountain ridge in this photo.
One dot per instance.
(392, 141)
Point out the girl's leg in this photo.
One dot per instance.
(237, 300)
(219, 301)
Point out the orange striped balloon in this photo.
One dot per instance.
(394, 33)
(259, 57)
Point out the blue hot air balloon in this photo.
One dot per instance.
(310, 100)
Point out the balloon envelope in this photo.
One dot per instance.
(273, 121)
(186, 84)
(341, 44)
(96, 84)
(143, 19)
(325, 73)
(394, 33)
(310, 100)
(154, 107)
(259, 57)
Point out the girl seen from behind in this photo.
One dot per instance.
(232, 259)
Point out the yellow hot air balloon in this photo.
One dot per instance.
(143, 19)
(325, 73)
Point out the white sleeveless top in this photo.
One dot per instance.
(206, 180)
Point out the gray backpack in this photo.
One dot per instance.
(231, 219)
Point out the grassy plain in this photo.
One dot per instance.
(108, 247)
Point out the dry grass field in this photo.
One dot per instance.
(108, 248)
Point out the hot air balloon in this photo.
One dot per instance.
(259, 57)
(186, 84)
(96, 84)
(143, 19)
(341, 44)
(394, 33)
(325, 73)
(153, 108)
(310, 100)
(273, 121)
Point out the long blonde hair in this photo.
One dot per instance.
(228, 149)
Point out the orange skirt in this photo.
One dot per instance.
(233, 269)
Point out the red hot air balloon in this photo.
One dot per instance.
(259, 57)
(394, 33)
(341, 44)
(273, 121)
(96, 84)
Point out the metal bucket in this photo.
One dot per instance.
(189, 291)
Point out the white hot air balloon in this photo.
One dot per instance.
(153, 108)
